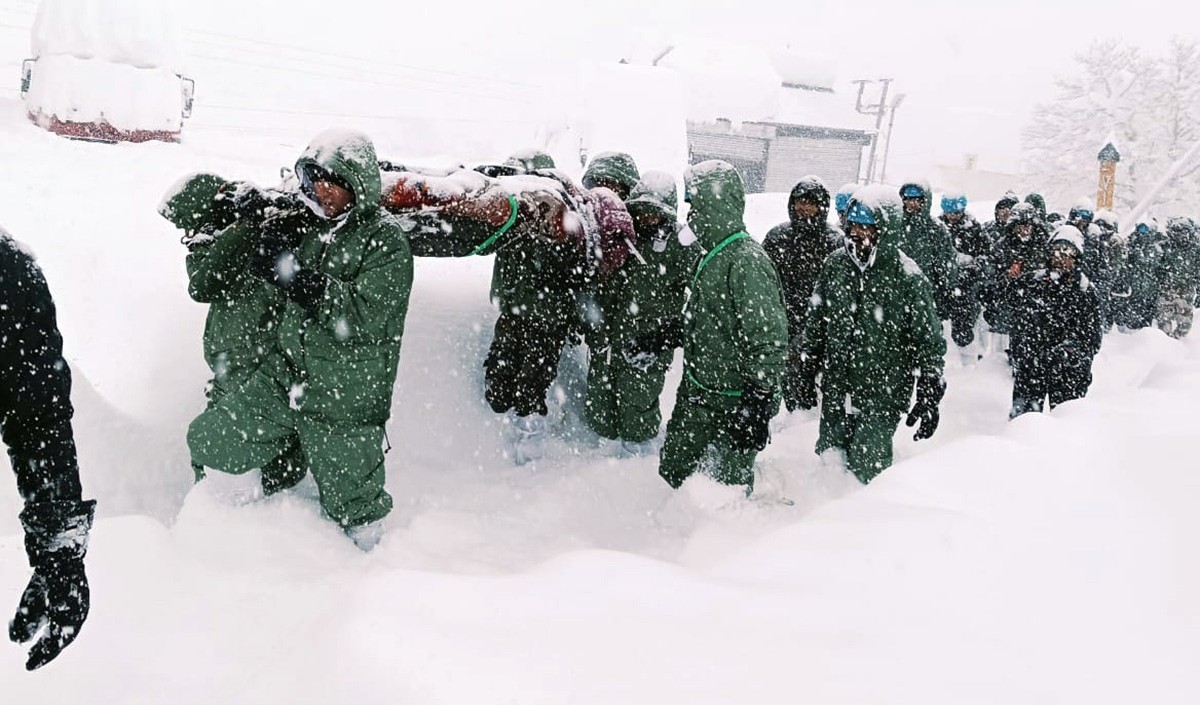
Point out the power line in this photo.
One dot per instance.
(323, 63)
(285, 69)
(318, 113)
(394, 64)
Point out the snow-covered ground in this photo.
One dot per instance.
(1048, 560)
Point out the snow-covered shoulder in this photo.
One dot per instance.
(911, 268)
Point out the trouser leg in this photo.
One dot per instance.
(245, 430)
(697, 441)
(346, 461)
(600, 407)
(639, 416)
(870, 448)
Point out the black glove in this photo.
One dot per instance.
(57, 597)
(749, 423)
(266, 258)
(929, 395)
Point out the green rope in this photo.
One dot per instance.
(701, 387)
(512, 218)
(704, 263)
(713, 253)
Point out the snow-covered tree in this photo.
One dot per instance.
(1146, 104)
(1108, 99)
(1175, 126)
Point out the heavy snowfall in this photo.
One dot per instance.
(1047, 559)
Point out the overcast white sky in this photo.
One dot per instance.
(971, 71)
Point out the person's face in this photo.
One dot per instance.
(954, 218)
(1062, 258)
(1024, 231)
(863, 238)
(332, 198)
(1082, 224)
(648, 221)
(912, 206)
(619, 189)
(805, 209)
(1002, 214)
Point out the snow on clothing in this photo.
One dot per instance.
(640, 299)
(617, 167)
(1056, 333)
(36, 403)
(928, 243)
(1011, 258)
(973, 250)
(871, 327)
(242, 325)
(1178, 277)
(734, 337)
(1136, 293)
(798, 249)
(535, 290)
(1095, 266)
(35, 420)
(331, 389)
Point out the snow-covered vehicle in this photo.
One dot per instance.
(108, 74)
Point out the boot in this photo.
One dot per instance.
(639, 449)
(529, 443)
(366, 536)
(234, 490)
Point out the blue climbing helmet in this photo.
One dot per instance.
(841, 201)
(954, 203)
(860, 214)
(912, 191)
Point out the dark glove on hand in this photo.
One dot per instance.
(306, 288)
(248, 202)
(749, 424)
(56, 601)
(272, 258)
(925, 411)
(666, 338)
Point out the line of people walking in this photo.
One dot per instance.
(308, 286)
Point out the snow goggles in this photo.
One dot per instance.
(310, 174)
(911, 191)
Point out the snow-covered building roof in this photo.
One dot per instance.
(742, 83)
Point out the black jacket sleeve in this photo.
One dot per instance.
(35, 383)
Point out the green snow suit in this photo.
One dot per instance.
(242, 324)
(735, 333)
(870, 329)
(331, 388)
(929, 244)
(638, 300)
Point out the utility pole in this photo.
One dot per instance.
(878, 110)
(887, 146)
